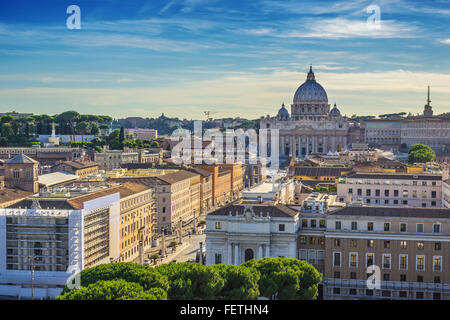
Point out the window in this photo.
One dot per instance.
(353, 260)
(386, 193)
(368, 192)
(403, 227)
(403, 262)
(337, 259)
(304, 223)
(437, 279)
(370, 243)
(353, 243)
(403, 277)
(352, 291)
(281, 227)
(386, 277)
(218, 225)
(337, 242)
(369, 259)
(377, 192)
(313, 223)
(312, 240)
(370, 226)
(312, 256)
(353, 275)
(387, 226)
(387, 244)
(369, 292)
(419, 227)
(403, 244)
(386, 261)
(338, 225)
(336, 290)
(303, 240)
(437, 263)
(218, 258)
(322, 223)
(402, 294)
(395, 193)
(303, 254)
(354, 225)
(337, 275)
(436, 227)
(420, 245)
(420, 263)
(419, 295)
(437, 246)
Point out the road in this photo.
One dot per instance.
(190, 251)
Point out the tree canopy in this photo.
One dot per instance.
(274, 278)
(420, 153)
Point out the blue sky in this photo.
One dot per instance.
(238, 58)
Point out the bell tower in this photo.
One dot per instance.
(22, 172)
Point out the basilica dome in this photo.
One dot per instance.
(310, 90)
(335, 111)
(283, 113)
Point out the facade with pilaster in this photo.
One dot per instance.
(240, 232)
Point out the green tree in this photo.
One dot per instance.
(70, 116)
(420, 153)
(192, 281)
(121, 136)
(131, 272)
(114, 290)
(286, 278)
(241, 283)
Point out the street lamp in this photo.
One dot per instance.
(194, 230)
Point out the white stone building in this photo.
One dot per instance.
(239, 232)
(60, 236)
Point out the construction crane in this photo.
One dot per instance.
(208, 113)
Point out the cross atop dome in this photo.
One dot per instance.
(310, 76)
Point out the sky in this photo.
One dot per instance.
(235, 58)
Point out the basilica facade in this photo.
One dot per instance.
(311, 126)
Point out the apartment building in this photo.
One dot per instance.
(236, 179)
(111, 159)
(138, 220)
(175, 198)
(58, 235)
(221, 184)
(79, 168)
(410, 247)
(446, 193)
(391, 189)
(205, 189)
(383, 132)
(45, 156)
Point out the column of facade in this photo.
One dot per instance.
(236, 253)
(260, 253)
(267, 250)
(299, 146)
(230, 253)
(291, 141)
(294, 146)
(324, 144)
(307, 144)
(282, 145)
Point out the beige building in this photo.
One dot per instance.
(409, 245)
(138, 217)
(391, 189)
(111, 159)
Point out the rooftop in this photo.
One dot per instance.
(279, 210)
(51, 179)
(20, 159)
(394, 176)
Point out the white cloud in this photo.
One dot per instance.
(445, 41)
(249, 95)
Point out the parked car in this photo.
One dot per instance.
(147, 262)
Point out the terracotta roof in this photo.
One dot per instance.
(318, 171)
(147, 181)
(125, 190)
(79, 164)
(409, 212)
(200, 171)
(279, 210)
(11, 194)
(175, 177)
